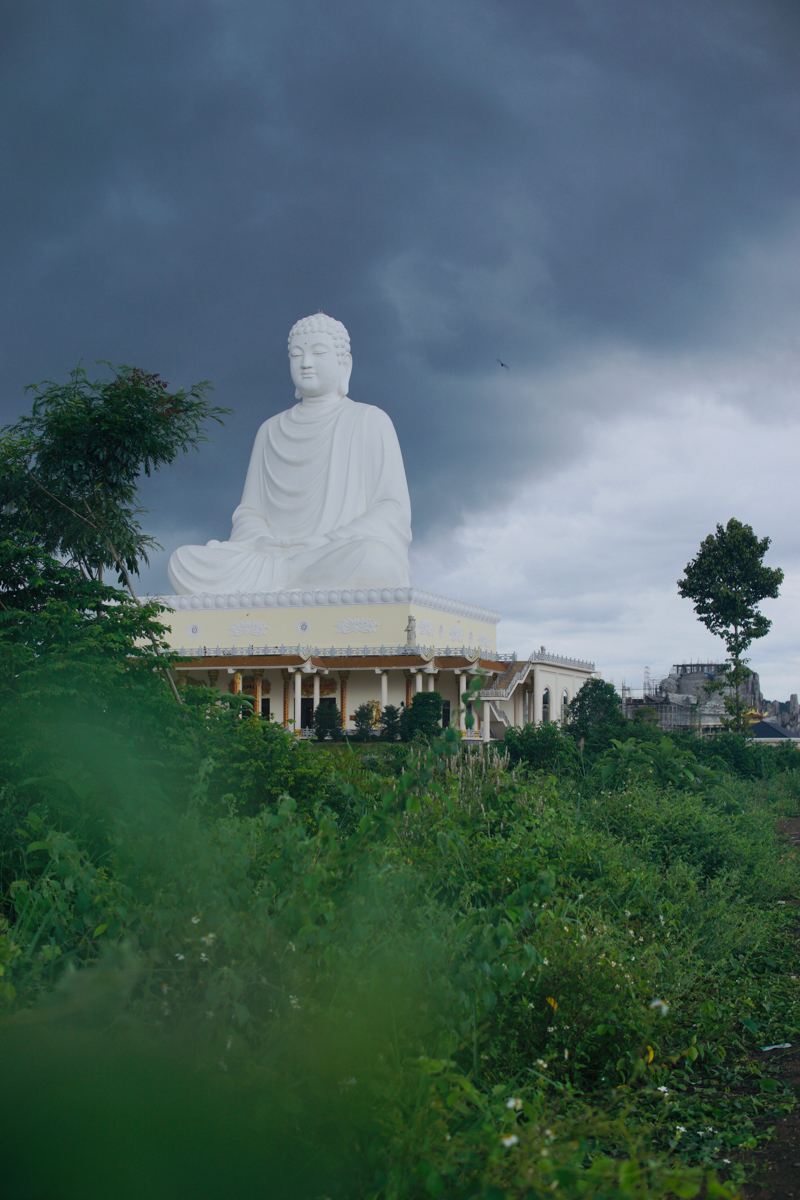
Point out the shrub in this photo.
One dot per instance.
(543, 748)
(363, 717)
(328, 721)
(390, 723)
(423, 718)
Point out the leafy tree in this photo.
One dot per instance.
(70, 469)
(363, 717)
(594, 716)
(423, 717)
(727, 580)
(390, 722)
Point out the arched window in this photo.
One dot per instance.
(545, 706)
(564, 704)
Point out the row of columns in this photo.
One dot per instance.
(527, 698)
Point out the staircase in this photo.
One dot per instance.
(498, 722)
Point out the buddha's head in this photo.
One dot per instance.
(319, 357)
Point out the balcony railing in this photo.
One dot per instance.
(340, 652)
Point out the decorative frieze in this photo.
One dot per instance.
(329, 598)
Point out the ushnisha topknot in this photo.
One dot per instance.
(320, 323)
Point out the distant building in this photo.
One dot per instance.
(687, 698)
(785, 715)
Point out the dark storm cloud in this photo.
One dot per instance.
(180, 181)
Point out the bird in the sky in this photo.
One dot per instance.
(502, 364)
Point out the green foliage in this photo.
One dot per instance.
(543, 748)
(363, 717)
(416, 971)
(594, 716)
(727, 580)
(738, 755)
(328, 721)
(390, 723)
(669, 764)
(256, 762)
(70, 469)
(423, 718)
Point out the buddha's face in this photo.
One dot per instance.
(315, 368)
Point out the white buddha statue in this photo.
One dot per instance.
(325, 501)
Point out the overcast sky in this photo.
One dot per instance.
(603, 194)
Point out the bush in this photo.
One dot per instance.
(423, 718)
(363, 717)
(543, 748)
(328, 721)
(390, 723)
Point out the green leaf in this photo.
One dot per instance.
(100, 930)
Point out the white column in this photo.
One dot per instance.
(487, 718)
(537, 696)
(431, 682)
(384, 689)
(518, 707)
(461, 686)
(316, 690)
(418, 685)
(298, 699)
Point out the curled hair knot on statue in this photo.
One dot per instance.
(321, 323)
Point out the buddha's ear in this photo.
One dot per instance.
(298, 395)
(344, 378)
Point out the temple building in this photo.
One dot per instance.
(432, 644)
(310, 598)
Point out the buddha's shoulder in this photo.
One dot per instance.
(371, 414)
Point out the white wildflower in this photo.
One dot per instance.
(195, 920)
(510, 1140)
(661, 1005)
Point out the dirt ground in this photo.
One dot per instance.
(777, 1175)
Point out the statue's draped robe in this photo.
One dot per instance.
(325, 504)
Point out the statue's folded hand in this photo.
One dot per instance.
(266, 544)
